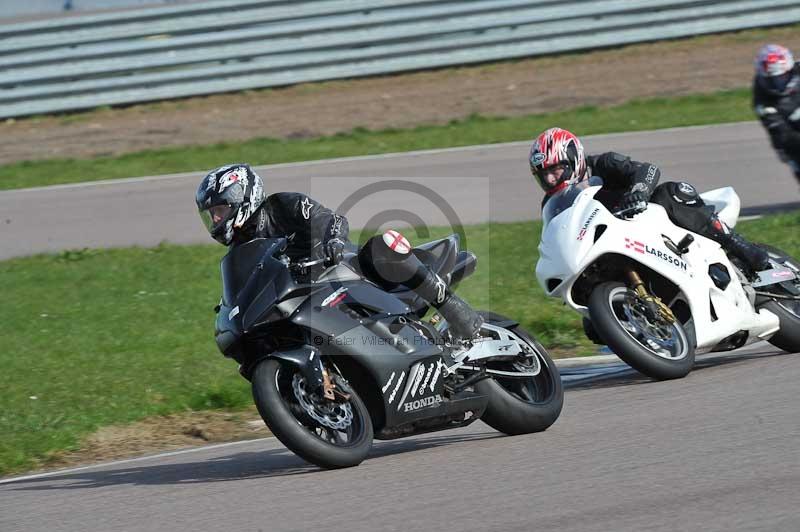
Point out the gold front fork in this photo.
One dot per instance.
(329, 389)
(327, 386)
(637, 284)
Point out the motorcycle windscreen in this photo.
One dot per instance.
(564, 199)
(240, 264)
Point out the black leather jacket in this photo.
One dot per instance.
(307, 224)
(780, 115)
(620, 174)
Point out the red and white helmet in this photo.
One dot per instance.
(775, 68)
(557, 147)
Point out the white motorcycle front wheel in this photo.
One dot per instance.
(650, 344)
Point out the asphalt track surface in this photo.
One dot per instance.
(442, 187)
(716, 451)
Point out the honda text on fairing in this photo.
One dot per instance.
(337, 361)
(656, 293)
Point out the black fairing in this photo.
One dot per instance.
(439, 255)
(253, 281)
(399, 359)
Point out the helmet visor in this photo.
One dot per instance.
(214, 217)
(552, 176)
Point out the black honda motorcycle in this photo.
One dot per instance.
(335, 361)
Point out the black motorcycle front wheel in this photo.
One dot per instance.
(522, 405)
(326, 433)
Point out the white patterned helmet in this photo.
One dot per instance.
(227, 198)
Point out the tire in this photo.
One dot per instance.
(297, 437)
(507, 411)
(603, 312)
(788, 337)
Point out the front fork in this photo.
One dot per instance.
(654, 304)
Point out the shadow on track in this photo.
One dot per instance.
(631, 377)
(244, 465)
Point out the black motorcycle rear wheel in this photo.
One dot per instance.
(302, 421)
(522, 406)
(787, 310)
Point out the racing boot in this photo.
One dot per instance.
(735, 244)
(463, 320)
(755, 257)
(388, 260)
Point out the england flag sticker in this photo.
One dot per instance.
(396, 242)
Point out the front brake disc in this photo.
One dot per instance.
(337, 416)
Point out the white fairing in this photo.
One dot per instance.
(568, 247)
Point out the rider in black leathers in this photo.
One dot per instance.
(776, 101)
(314, 231)
(235, 210)
(557, 160)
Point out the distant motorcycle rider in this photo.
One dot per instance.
(557, 161)
(776, 101)
(235, 210)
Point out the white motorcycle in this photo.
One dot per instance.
(657, 294)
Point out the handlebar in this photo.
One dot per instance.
(279, 247)
(309, 263)
(635, 209)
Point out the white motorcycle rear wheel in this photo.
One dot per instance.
(659, 350)
(788, 311)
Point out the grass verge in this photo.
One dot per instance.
(659, 113)
(100, 337)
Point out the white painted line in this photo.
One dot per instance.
(595, 360)
(587, 361)
(263, 168)
(130, 460)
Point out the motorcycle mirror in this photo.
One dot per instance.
(683, 245)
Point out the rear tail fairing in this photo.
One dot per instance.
(466, 263)
(589, 234)
(726, 204)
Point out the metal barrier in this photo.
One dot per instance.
(14, 9)
(229, 45)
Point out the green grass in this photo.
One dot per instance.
(721, 107)
(93, 338)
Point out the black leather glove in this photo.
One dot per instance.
(334, 251)
(632, 202)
